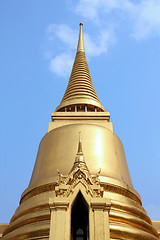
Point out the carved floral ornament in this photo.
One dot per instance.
(78, 175)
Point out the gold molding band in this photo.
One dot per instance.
(123, 191)
(30, 210)
(125, 231)
(107, 187)
(32, 235)
(140, 213)
(27, 221)
(38, 190)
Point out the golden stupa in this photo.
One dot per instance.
(80, 186)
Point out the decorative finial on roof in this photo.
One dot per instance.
(80, 144)
(80, 47)
(80, 160)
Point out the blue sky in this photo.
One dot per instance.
(38, 41)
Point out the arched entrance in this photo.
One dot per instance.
(80, 219)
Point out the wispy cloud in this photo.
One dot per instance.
(61, 64)
(101, 43)
(143, 16)
(141, 19)
(68, 39)
(64, 33)
(147, 19)
(88, 9)
(95, 9)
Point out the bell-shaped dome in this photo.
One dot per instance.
(101, 148)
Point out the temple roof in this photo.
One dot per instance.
(80, 89)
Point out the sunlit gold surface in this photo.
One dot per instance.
(101, 147)
(102, 158)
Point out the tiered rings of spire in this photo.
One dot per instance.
(80, 94)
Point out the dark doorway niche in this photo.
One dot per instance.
(79, 219)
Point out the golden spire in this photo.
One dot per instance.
(80, 47)
(80, 93)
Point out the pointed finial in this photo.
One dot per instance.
(60, 176)
(80, 47)
(80, 160)
(79, 144)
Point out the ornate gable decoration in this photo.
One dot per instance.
(79, 174)
(68, 184)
